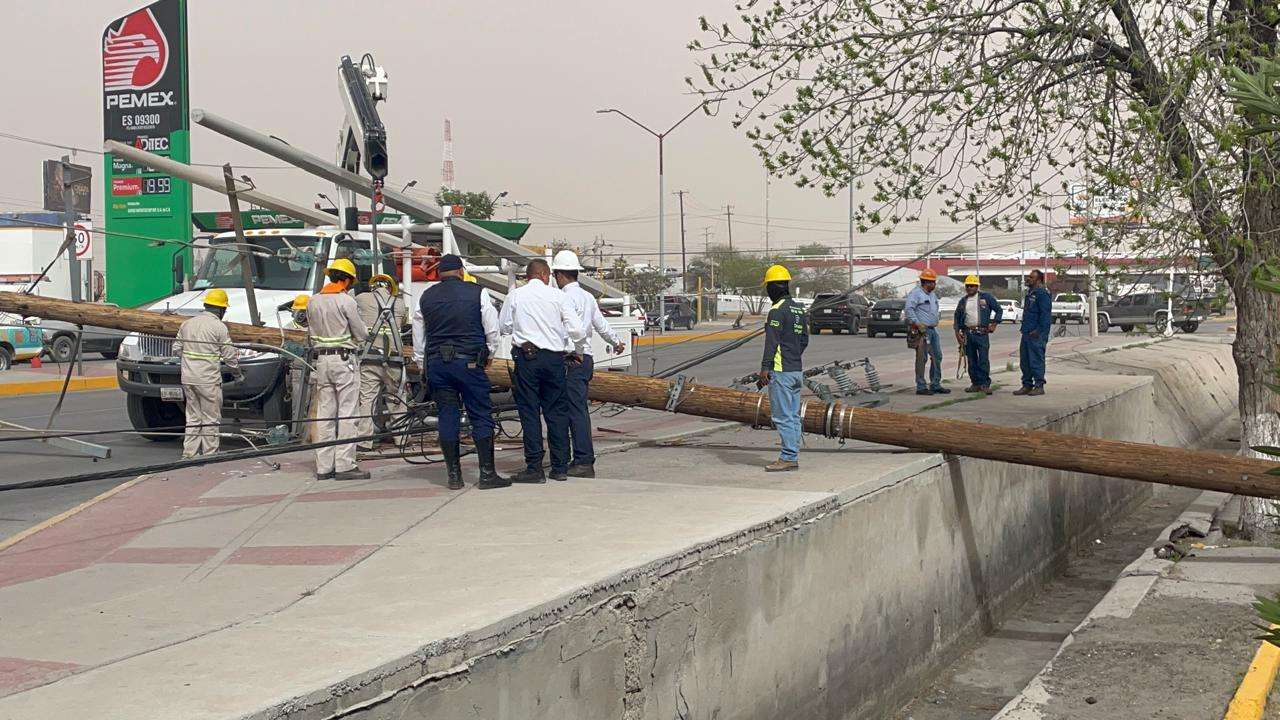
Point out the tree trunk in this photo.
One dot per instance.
(1255, 355)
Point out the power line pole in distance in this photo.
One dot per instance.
(684, 285)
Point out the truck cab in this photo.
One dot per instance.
(283, 264)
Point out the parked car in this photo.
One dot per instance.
(680, 314)
(18, 341)
(1149, 309)
(1070, 306)
(887, 317)
(1012, 311)
(838, 312)
(60, 340)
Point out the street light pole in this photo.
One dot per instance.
(662, 189)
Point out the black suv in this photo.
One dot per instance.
(680, 314)
(838, 312)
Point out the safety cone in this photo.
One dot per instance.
(35, 363)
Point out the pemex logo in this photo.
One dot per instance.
(134, 56)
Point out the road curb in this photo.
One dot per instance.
(1250, 700)
(46, 524)
(37, 387)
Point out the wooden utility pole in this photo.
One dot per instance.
(1038, 448)
(684, 265)
(728, 216)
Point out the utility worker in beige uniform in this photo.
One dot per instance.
(380, 369)
(203, 343)
(335, 327)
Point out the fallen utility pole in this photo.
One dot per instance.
(1039, 448)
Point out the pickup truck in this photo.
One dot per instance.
(1070, 306)
(1149, 309)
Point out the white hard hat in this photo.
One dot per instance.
(566, 260)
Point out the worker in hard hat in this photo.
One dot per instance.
(580, 366)
(335, 327)
(977, 315)
(381, 308)
(458, 325)
(923, 315)
(1037, 316)
(786, 335)
(543, 327)
(204, 345)
(298, 311)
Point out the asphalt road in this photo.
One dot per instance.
(104, 409)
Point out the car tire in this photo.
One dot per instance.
(6, 358)
(148, 413)
(1103, 325)
(888, 334)
(63, 348)
(688, 323)
(870, 333)
(837, 330)
(1190, 327)
(1126, 328)
(110, 354)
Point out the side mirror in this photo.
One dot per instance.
(177, 272)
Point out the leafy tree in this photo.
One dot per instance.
(881, 291)
(479, 205)
(991, 109)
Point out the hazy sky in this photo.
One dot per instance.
(521, 82)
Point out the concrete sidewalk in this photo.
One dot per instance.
(49, 377)
(236, 591)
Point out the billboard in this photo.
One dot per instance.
(77, 179)
(1108, 206)
(144, 104)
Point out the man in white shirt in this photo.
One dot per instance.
(580, 367)
(543, 327)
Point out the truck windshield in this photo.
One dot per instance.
(221, 266)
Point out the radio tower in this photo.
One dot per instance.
(446, 171)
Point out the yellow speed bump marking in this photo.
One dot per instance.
(1251, 696)
(15, 539)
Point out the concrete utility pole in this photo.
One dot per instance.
(728, 215)
(684, 264)
(246, 273)
(766, 214)
(706, 254)
(73, 263)
(662, 214)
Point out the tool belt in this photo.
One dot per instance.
(344, 353)
(976, 330)
(451, 353)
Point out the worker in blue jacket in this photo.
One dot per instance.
(1037, 316)
(977, 315)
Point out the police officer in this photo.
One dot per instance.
(460, 326)
(203, 343)
(380, 369)
(543, 327)
(976, 317)
(786, 335)
(334, 324)
(581, 366)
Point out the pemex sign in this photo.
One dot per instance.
(144, 104)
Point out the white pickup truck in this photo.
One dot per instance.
(1070, 306)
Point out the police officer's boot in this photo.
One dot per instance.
(489, 477)
(453, 463)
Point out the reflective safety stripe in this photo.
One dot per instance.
(201, 356)
(335, 341)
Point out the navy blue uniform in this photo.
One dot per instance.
(454, 356)
(977, 345)
(1037, 317)
(541, 391)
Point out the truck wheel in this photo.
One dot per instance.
(1103, 324)
(110, 355)
(1190, 327)
(63, 348)
(1126, 328)
(6, 358)
(147, 413)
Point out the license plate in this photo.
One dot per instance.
(172, 394)
(827, 311)
(884, 316)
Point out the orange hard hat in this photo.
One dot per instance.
(928, 275)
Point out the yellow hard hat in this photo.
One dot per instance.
(216, 297)
(972, 280)
(468, 277)
(385, 279)
(300, 302)
(776, 273)
(928, 275)
(343, 265)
